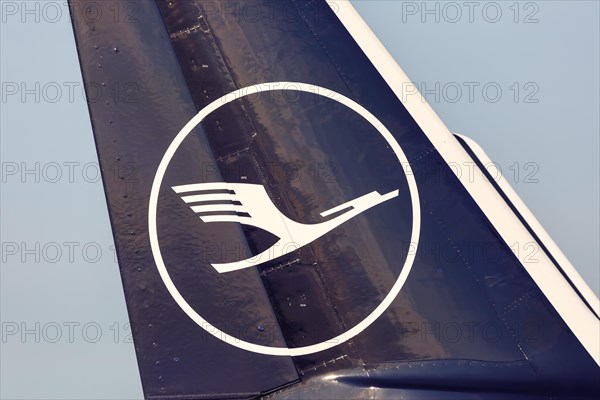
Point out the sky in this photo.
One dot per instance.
(522, 81)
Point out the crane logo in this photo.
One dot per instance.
(250, 204)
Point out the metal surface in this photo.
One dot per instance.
(467, 296)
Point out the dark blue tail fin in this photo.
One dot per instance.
(291, 106)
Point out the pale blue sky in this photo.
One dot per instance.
(554, 61)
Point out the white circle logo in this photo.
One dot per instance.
(162, 269)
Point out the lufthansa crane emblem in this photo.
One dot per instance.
(249, 204)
